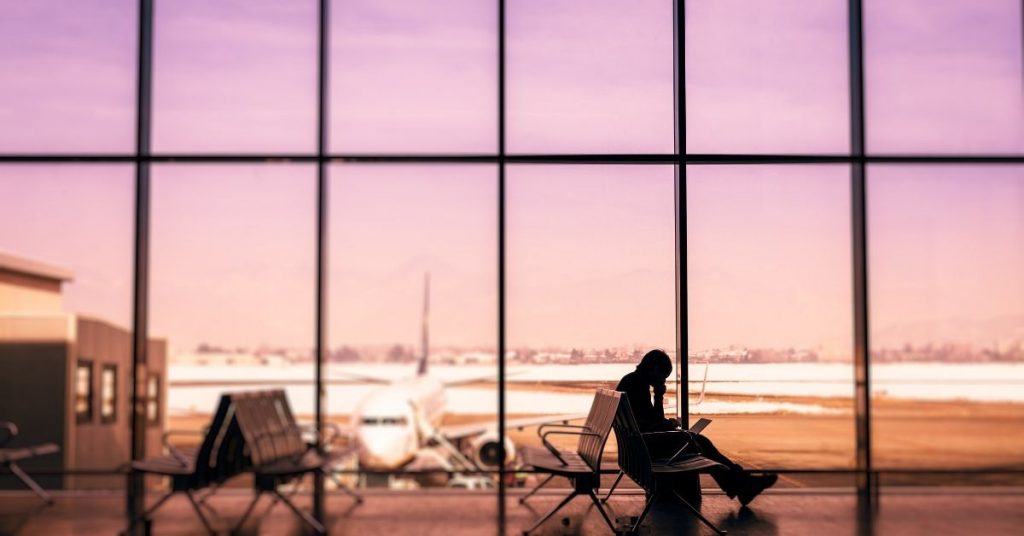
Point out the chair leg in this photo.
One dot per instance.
(248, 511)
(274, 500)
(310, 520)
(697, 513)
(522, 500)
(199, 511)
(344, 489)
(553, 511)
(597, 503)
(30, 482)
(152, 509)
(207, 496)
(614, 485)
(144, 516)
(643, 514)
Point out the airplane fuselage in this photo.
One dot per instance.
(394, 422)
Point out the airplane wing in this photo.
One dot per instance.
(466, 381)
(363, 378)
(460, 431)
(492, 377)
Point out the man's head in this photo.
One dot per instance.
(656, 366)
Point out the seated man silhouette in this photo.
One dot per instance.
(651, 374)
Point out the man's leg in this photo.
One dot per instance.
(733, 479)
(730, 477)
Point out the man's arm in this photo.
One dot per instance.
(659, 401)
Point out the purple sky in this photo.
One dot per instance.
(590, 249)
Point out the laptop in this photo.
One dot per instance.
(700, 425)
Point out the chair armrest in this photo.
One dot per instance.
(541, 428)
(553, 449)
(11, 429)
(682, 449)
(664, 432)
(167, 435)
(175, 451)
(333, 428)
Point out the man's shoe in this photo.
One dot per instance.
(754, 486)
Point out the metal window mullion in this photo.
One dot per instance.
(501, 267)
(679, 191)
(858, 205)
(135, 495)
(323, 43)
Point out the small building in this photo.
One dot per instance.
(66, 379)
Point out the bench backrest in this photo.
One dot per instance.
(221, 454)
(269, 427)
(634, 459)
(598, 425)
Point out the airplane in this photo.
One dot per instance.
(400, 424)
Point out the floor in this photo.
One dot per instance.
(457, 512)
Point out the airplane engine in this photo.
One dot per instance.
(484, 450)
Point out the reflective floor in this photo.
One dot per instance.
(907, 512)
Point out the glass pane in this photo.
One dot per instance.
(767, 77)
(414, 77)
(69, 76)
(770, 325)
(235, 76)
(83, 392)
(947, 318)
(590, 286)
(232, 285)
(108, 394)
(590, 77)
(944, 76)
(413, 312)
(66, 246)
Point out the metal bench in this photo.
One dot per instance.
(278, 452)
(583, 466)
(9, 457)
(219, 457)
(657, 479)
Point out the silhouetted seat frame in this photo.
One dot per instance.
(278, 452)
(10, 456)
(219, 457)
(583, 466)
(657, 479)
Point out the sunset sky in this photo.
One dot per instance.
(590, 249)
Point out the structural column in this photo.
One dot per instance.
(858, 196)
(136, 488)
(323, 42)
(682, 309)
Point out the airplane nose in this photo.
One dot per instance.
(385, 450)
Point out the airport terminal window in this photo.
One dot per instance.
(153, 399)
(602, 129)
(108, 394)
(83, 392)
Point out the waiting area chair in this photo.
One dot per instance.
(656, 478)
(581, 466)
(10, 456)
(220, 456)
(278, 453)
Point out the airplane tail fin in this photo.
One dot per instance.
(421, 367)
(703, 384)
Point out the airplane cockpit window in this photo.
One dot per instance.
(385, 421)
